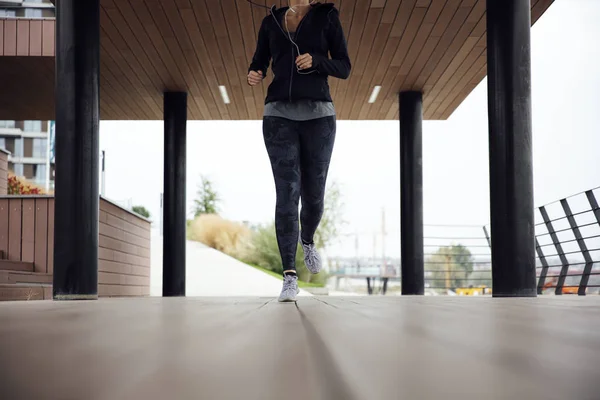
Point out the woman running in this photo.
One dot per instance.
(299, 120)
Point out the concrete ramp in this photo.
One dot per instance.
(212, 273)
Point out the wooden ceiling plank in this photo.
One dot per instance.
(258, 14)
(142, 55)
(451, 82)
(448, 24)
(360, 63)
(453, 49)
(416, 49)
(163, 14)
(222, 36)
(119, 82)
(359, 18)
(133, 67)
(110, 91)
(222, 70)
(181, 20)
(465, 79)
(110, 58)
(346, 21)
(236, 37)
(382, 74)
(176, 79)
(249, 42)
(208, 75)
(365, 85)
(122, 68)
(538, 9)
(465, 92)
(163, 78)
(388, 91)
(157, 28)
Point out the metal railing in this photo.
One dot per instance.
(458, 257)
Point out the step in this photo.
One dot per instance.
(7, 265)
(19, 291)
(24, 277)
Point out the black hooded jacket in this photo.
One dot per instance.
(320, 34)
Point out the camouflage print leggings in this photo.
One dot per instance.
(300, 152)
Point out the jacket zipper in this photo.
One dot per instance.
(292, 46)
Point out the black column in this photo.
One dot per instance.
(511, 173)
(77, 115)
(174, 225)
(411, 192)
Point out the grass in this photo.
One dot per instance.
(301, 284)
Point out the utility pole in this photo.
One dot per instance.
(383, 233)
(103, 187)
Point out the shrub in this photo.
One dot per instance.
(263, 251)
(20, 186)
(141, 210)
(220, 234)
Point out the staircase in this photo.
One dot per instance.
(18, 281)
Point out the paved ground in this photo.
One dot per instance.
(324, 348)
(212, 273)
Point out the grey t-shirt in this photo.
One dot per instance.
(301, 110)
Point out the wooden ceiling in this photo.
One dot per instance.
(150, 46)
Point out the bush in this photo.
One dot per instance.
(141, 210)
(226, 236)
(263, 251)
(18, 185)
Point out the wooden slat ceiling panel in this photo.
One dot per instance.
(151, 46)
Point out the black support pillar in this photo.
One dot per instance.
(77, 116)
(411, 193)
(174, 225)
(511, 172)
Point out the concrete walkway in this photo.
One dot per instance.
(212, 273)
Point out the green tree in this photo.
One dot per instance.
(450, 266)
(141, 210)
(332, 221)
(207, 201)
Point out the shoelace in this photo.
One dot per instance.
(311, 253)
(288, 283)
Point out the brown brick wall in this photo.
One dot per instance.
(27, 234)
(3, 172)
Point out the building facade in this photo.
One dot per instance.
(27, 9)
(27, 142)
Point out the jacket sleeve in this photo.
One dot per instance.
(339, 64)
(262, 55)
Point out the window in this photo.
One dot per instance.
(7, 124)
(8, 13)
(18, 149)
(32, 126)
(33, 13)
(40, 173)
(39, 148)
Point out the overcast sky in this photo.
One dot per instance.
(566, 139)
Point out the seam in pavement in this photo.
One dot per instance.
(333, 384)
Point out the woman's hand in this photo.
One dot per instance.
(304, 61)
(254, 78)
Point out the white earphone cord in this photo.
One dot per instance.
(291, 40)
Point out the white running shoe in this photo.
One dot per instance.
(290, 288)
(312, 259)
